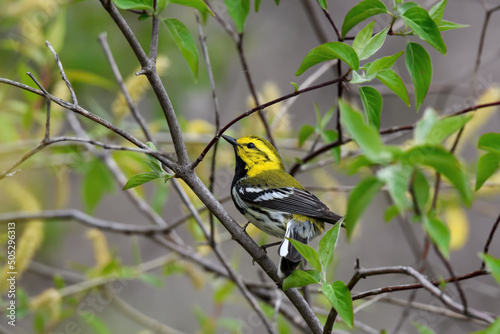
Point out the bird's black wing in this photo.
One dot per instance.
(288, 199)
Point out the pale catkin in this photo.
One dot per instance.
(100, 244)
(49, 300)
(136, 86)
(32, 235)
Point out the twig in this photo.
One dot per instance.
(48, 103)
(253, 91)
(119, 79)
(63, 74)
(155, 32)
(262, 106)
(488, 242)
(206, 57)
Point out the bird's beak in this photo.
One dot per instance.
(231, 140)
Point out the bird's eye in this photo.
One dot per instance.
(251, 145)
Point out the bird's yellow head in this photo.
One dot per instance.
(255, 154)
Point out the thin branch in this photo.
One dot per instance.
(390, 130)
(155, 32)
(119, 79)
(332, 23)
(47, 105)
(253, 91)
(63, 74)
(429, 286)
(488, 242)
(149, 69)
(225, 25)
(265, 105)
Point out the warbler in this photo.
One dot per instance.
(274, 201)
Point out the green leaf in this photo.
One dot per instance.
(422, 24)
(437, 11)
(365, 45)
(487, 165)
(295, 85)
(362, 11)
(97, 324)
(420, 190)
(372, 102)
(390, 213)
(448, 25)
(432, 130)
(439, 233)
(298, 278)
(494, 328)
(383, 63)
(329, 51)
(363, 134)
(151, 279)
(326, 118)
(359, 199)
(329, 136)
(340, 297)
(424, 126)
(490, 142)
(90, 78)
(394, 82)
(98, 180)
(407, 5)
(443, 162)
(308, 253)
(223, 292)
(422, 329)
(185, 42)
(305, 132)
(134, 4)
(238, 10)
(419, 65)
(356, 78)
(322, 3)
(327, 246)
(257, 5)
(198, 4)
(138, 179)
(397, 178)
(493, 265)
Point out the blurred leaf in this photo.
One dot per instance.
(90, 78)
(421, 23)
(419, 65)
(134, 4)
(98, 180)
(422, 329)
(257, 5)
(198, 4)
(327, 245)
(493, 265)
(329, 51)
(58, 281)
(363, 134)
(138, 179)
(439, 233)
(295, 86)
(407, 5)
(381, 64)
(308, 253)
(185, 42)
(424, 126)
(223, 292)
(298, 278)
(365, 45)
(326, 118)
(39, 321)
(394, 82)
(322, 3)
(487, 165)
(458, 224)
(305, 132)
(397, 178)
(151, 279)
(238, 10)
(490, 142)
(57, 29)
(443, 162)
(437, 11)
(359, 199)
(432, 130)
(390, 213)
(362, 11)
(339, 295)
(494, 328)
(372, 103)
(330, 136)
(98, 326)
(448, 25)
(421, 190)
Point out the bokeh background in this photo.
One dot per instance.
(277, 38)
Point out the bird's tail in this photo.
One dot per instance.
(290, 256)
